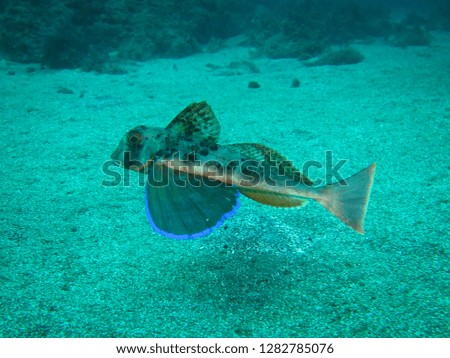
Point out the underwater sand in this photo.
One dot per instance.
(79, 259)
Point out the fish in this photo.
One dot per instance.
(193, 183)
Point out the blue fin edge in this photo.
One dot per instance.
(197, 234)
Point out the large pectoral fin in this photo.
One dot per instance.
(180, 206)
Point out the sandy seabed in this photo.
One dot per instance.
(79, 259)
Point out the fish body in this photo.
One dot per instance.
(193, 183)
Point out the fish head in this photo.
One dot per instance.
(138, 147)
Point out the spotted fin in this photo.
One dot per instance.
(283, 167)
(196, 123)
(271, 157)
(181, 207)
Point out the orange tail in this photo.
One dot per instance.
(348, 199)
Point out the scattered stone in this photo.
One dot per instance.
(65, 90)
(253, 84)
(11, 73)
(295, 83)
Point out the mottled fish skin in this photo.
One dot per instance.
(188, 148)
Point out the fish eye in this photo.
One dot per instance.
(134, 138)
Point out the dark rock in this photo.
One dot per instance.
(253, 84)
(295, 83)
(65, 90)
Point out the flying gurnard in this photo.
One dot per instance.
(193, 183)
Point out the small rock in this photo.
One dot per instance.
(65, 90)
(253, 84)
(295, 83)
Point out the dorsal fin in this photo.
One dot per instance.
(272, 158)
(196, 123)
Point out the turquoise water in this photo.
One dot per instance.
(79, 259)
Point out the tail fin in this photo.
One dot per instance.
(348, 199)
